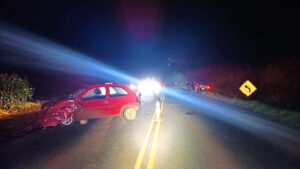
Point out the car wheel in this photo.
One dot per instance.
(69, 121)
(129, 113)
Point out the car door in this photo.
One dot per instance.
(95, 103)
(118, 97)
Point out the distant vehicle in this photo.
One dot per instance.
(204, 87)
(148, 87)
(91, 102)
(197, 87)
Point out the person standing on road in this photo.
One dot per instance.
(140, 98)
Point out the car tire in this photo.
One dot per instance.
(69, 121)
(130, 113)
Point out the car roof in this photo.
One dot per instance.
(110, 84)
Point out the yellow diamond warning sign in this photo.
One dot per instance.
(247, 88)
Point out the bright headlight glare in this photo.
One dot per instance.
(132, 86)
(149, 87)
(156, 87)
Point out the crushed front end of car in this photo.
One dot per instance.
(55, 114)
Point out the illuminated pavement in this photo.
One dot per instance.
(186, 138)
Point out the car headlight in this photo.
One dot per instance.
(149, 87)
(132, 87)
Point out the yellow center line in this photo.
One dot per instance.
(155, 140)
(139, 160)
(153, 148)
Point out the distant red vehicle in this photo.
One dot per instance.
(92, 102)
(197, 87)
(204, 87)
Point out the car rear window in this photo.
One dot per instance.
(116, 91)
(95, 93)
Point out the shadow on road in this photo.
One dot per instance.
(40, 144)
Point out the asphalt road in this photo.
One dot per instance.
(188, 138)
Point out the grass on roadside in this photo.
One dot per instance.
(18, 119)
(18, 109)
(291, 117)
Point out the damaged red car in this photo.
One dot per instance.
(89, 103)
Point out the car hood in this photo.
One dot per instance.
(62, 106)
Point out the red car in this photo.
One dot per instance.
(204, 87)
(92, 102)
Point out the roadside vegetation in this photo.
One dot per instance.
(15, 96)
(292, 117)
(277, 84)
(17, 110)
(289, 117)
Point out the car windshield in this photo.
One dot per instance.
(76, 93)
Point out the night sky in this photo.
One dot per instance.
(140, 35)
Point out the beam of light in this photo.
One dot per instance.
(43, 53)
(38, 52)
(237, 117)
